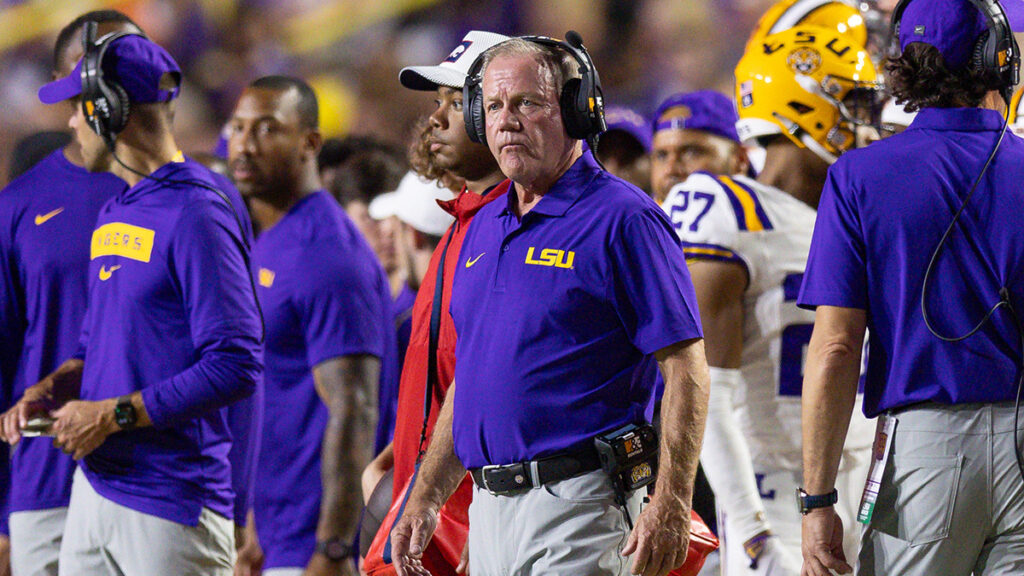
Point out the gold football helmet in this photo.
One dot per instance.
(1016, 118)
(839, 15)
(813, 85)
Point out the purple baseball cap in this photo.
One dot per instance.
(134, 62)
(705, 110)
(951, 26)
(1014, 13)
(630, 122)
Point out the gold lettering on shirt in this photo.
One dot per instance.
(551, 257)
(266, 278)
(125, 240)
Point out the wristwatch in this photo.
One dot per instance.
(807, 502)
(124, 413)
(334, 549)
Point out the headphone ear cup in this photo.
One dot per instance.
(978, 57)
(473, 111)
(577, 122)
(118, 104)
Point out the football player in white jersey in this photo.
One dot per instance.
(798, 93)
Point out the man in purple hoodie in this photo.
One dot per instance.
(171, 335)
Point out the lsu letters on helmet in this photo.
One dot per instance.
(1016, 118)
(811, 84)
(841, 16)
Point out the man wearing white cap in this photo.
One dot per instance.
(443, 152)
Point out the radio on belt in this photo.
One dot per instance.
(629, 455)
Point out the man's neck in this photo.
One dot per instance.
(269, 210)
(794, 170)
(134, 162)
(73, 154)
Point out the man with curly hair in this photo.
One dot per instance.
(918, 239)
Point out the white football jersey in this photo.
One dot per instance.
(768, 232)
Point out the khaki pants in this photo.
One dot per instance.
(35, 541)
(952, 499)
(103, 538)
(567, 527)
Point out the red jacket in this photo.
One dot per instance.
(442, 555)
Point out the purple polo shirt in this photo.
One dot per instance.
(46, 221)
(882, 213)
(324, 296)
(559, 316)
(171, 313)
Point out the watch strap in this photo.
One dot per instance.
(335, 549)
(808, 502)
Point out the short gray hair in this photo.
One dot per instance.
(559, 65)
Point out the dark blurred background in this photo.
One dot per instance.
(351, 52)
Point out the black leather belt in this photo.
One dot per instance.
(521, 476)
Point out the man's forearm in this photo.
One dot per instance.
(348, 386)
(829, 393)
(441, 471)
(683, 413)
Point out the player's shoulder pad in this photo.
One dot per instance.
(712, 215)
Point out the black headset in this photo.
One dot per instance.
(581, 99)
(105, 102)
(995, 51)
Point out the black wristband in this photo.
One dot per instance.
(334, 549)
(124, 413)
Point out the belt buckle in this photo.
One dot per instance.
(518, 475)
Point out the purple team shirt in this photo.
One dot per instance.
(324, 296)
(171, 313)
(46, 223)
(882, 213)
(559, 316)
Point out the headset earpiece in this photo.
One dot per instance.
(105, 103)
(473, 105)
(577, 121)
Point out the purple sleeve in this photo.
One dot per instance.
(836, 272)
(653, 295)
(5, 488)
(209, 263)
(245, 419)
(342, 309)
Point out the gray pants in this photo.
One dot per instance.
(104, 538)
(952, 498)
(567, 527)
(35, 541)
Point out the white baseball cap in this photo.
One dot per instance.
(452, 72)
(415, 203)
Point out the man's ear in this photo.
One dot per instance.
(740, 160)
(314, 141)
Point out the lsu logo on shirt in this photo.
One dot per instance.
(266, 277)
(551, 257)
(125, 240)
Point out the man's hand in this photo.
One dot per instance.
(822, 543)
(409, 539)
(661, 536)
(35, 402)
(5, 556)
(319, 565)
(249, 561)
(769, 558)
(80, 427)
